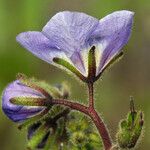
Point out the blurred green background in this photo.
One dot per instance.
(131, 76)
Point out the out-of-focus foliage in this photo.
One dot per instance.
(128, 77)
(82, 135)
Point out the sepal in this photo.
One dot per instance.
(91, 65)
(54, 125)
(56, 91)
(38, 134)
(30, 101)
(70, 67)
(110, 64)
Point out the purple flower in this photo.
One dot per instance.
(19, 113)
(70, 35)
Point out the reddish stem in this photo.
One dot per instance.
(96, 118)
(102, 129)
(93, 115)
(71, 104)
(91, 96)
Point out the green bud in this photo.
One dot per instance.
(78, 138)
(130, 129)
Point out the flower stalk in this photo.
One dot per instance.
(92, 113)
(91, 95)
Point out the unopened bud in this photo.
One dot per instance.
(130, 129)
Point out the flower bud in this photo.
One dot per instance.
(27, 97)
(19, 113)
(130, 129)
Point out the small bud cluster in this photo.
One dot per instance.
(130, 129)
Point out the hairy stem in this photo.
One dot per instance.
(91, 96)
(72, 105)
(93, 115)
(102, 129)
(97, 119)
